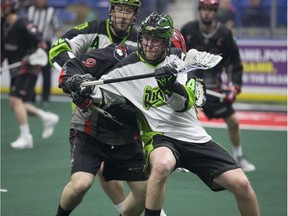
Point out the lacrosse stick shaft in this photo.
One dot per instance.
(11, 66)
(39, 57)
(122, 79)
(215, 94)
(106, 114)
(191, 63)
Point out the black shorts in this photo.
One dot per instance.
(206, 160)
(214, 108)
(123, 162)
(23, 86)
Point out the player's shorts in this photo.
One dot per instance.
(214, 108)
(123, 162)
(23, 86)
(206, 160)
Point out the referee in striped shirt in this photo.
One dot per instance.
(49, 25)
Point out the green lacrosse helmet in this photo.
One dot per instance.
(158, 25)
(134, 3)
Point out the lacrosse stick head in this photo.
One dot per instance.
(198, 87)
(200, 60)
(200, 92)
(39, 57)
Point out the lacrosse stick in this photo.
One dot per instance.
(106, 115)
(221, 96)
(194, 60)
(39, 57)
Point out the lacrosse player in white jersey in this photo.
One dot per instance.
(167, 116)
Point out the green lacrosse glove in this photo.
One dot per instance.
(166, 78)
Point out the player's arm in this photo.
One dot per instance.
(234, 69)
(32, 37)
(71, 44)
(180, 97)
(234, 65)
(96, 63)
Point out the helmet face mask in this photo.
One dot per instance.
(123, 14)
(153, 47)
(154, 37)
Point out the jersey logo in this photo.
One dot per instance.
(120, 52)
(153, 97)
(90, 62)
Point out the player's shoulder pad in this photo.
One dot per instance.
(130, 59)
(190, 25)
(95, 26)
(225, 31)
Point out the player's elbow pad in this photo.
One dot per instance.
(183, 100)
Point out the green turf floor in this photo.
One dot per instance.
(35, 178)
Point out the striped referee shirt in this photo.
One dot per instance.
(46, 19)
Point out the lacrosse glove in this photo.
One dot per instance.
(73, 84)
(231, 93)
(166, 78)
(82, 101)
(80, 96)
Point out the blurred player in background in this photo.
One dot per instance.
(20, 39)
(207, 34)
(49, 25)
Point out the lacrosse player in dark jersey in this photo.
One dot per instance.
(207, 34)
(19, 41)
(96, 137)
(99, 34)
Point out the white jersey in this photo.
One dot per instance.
(159, 113)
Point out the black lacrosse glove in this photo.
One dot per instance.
(82, 101)
(80, 96)
(73, 83)
(166, 78)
